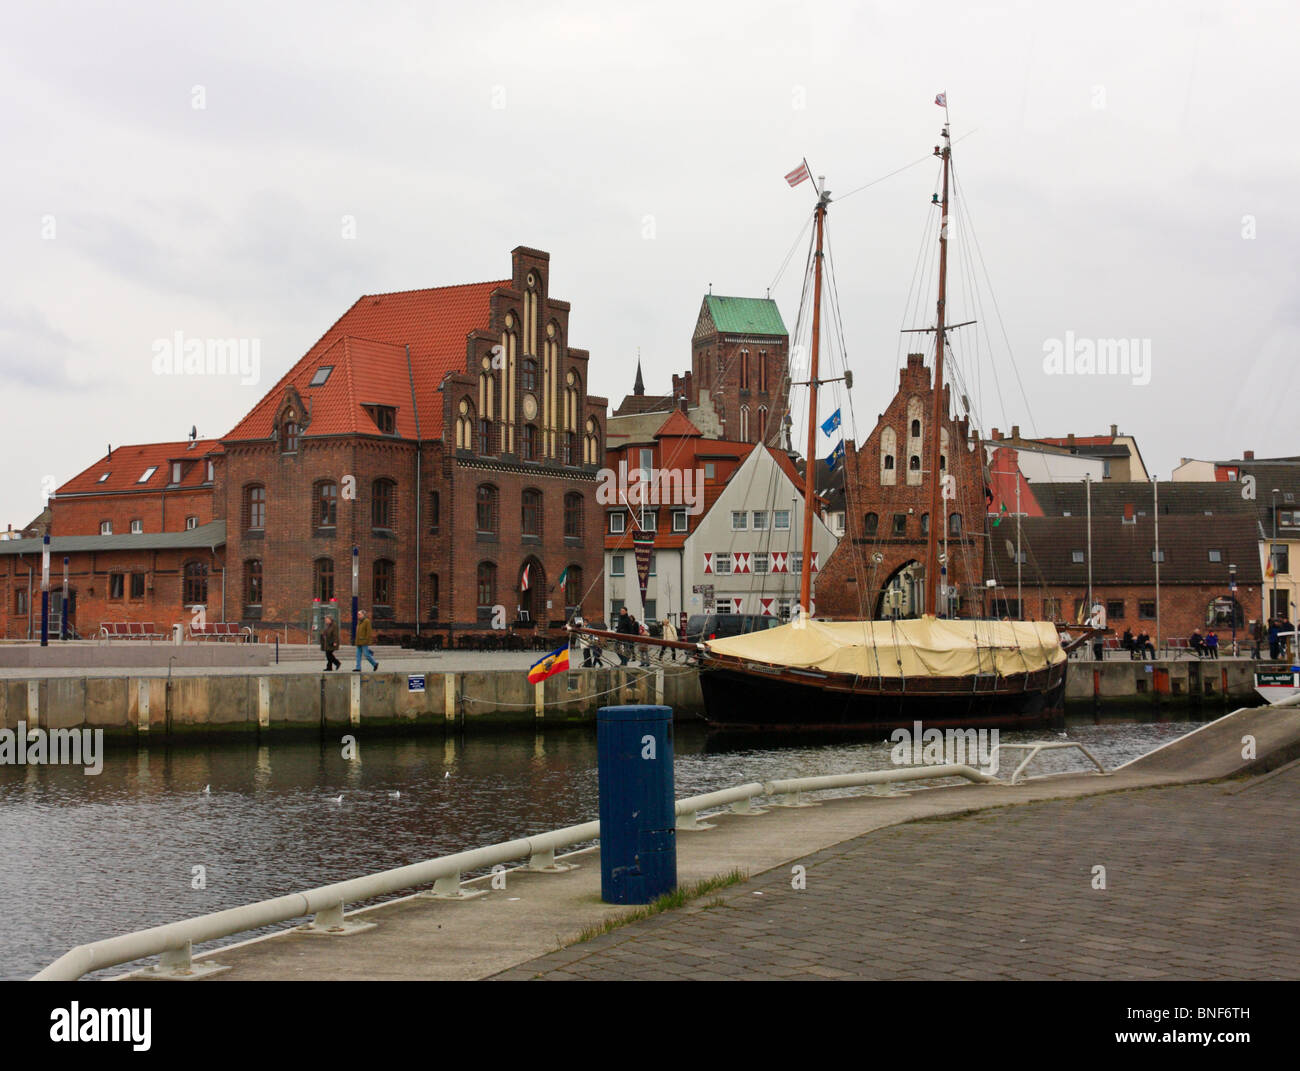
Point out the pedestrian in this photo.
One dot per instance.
(1197, 643)
(1272, 639)
(584, 642)
(1127, 643)
(365, 637)
(626, 627)
(670, 633)
(643, 650)
(1212, 643)
(329, 643)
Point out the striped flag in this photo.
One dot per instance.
(942, 100)
(523, 583)
(563, 577)
(798, 174)
(549, 665)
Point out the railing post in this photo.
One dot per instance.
(448, 888)
(543, 861)
(177, 965)
(329, 922)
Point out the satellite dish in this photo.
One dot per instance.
(194, 431)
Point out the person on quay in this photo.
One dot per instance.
(329, 643)
(626, 626)
(584, 642)
(365, 638)
(670, 633)
(1197, 643)
(1212, 643)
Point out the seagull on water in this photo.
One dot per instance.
(337, 799)
(207, 790)
(395, 795)
(446, 775)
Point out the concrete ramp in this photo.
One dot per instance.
(1253, 740)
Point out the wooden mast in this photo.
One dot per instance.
(810, 459)
(936, 424)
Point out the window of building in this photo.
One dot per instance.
(211, 470)
(914, 463)
(760, 520)
(487, 590)
(137, 526)
(176, 472)
(724, 606)
(1147, 609)
(327, 504)
(530, 519)
(654, 563)
(1281, 560)
(289, 437)
(870, 523)
(925, 524)
(255, 507)
(1051, 609)
(194, 584)
(916, 429)
(383, 582)
(573, 516)
(191, 522)
(900, 525)
(528, 374)
(744, 369)
(435, 511)
(781, 520)
(137, 585)
(762, 376)
(1007, 608)
(385, 418)
(710, 470)
(382, 500)
(889, 461)
(528, 442)
(148, 474)
(651, 610)
(954, 524)
(1019, 557)
(433, 596)
(569, 448)
(1115, 609)
(116, 585)
(573, 589)
(796, 562)
(322, 374)
(739, 521)
(20, 601)
(104, 477)
(323, 579)
(105, 527)
(486, 440)
(647, 459)
(617, 522)
(649, 520)
(1216, 555)
(680, 523)
(1076, 556)
(486, 509)
(617, 565)
(722, 563)
(760, 563)
(1157, 555)
(253, 583)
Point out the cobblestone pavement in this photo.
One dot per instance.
(1200, 883)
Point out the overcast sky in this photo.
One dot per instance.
(1113, 160)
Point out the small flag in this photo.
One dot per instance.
(836, 456)
(1268, 569)
(523, 583)
(563, 577)
(549, 665)
(942, 100)
(831, 423)
(798, 174)
(1000, 512)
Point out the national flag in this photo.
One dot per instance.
(1268, 569)
(836, 456)
(1000, 512)
(563, 577)
(831, 423)
(523, 582)
(798, 174)
(549, 665)
(942, 100)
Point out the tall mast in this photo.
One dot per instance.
(936, 425)
(810, 462)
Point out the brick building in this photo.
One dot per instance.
(445, 433)
(878, 567)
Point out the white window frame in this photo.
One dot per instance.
(617, 522)
(148, 474)
(680, 521)
(776, 520)
(617, 565)
(137, 527)
(1076, 557)
(105, 527)
(722, 563)
(760, 520)
(739, 520)
(191, 522)
(176, 472)
(760, 562)
(649, 519)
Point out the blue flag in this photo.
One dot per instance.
(836, 456)
(831, 423)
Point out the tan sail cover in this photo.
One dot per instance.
(925, 647)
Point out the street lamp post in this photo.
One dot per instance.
(1272, 557)
(1232, 609)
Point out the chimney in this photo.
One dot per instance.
(996, 434)
(1069, 441)
(1015, 431)
(1114, 430)
(1248, 455)
(681, 404)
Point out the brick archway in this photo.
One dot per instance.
(531, 600)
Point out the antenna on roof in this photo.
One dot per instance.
(710, 289)
(110, 451)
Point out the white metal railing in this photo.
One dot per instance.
(174, 941)
(1034, 750)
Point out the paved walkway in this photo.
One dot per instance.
(1200, 884)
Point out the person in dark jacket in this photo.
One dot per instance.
(1197, 643)
(365, 637)
(329, 643)
(1127, 643)
(626, 626)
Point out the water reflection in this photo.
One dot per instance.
(82, 858)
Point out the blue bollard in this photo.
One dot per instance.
(638, 835)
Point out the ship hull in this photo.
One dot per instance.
(765, 699)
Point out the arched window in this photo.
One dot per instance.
(528, 375)
(914, 463)
(383, 583)
(327, 504)
(591, 446)
(486, 438)
(870, 523)
(382, 503)
(194, 586)
(888, 444)
(573, 512)
(925, 524)
(954, 524)
(252, 585)
(528, 442)
(744, 370)
(762, 423)
(289, 437)
(573, 589)
(530, 519)
(466, 425)
(322, 582)
(487, 590)
(916, 429)
(889, 461)
(744, 423)
(486, 509)
(254, 507)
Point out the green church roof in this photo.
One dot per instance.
(745, 316)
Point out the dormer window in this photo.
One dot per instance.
(176, 472)
(289, 437)
(384, 416)
(211, 469)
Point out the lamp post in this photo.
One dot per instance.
(1272, 558)
(1232, 609)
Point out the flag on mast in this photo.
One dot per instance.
(798, 174)
(831, 423)
(942, 100)
(836, 456)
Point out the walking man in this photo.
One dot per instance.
(329, 643)
(365, 637)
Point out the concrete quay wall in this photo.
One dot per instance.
(1178, 680)
(248, 703)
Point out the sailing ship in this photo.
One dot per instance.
(814, 674)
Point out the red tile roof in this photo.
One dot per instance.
(1081, 440)
(127, 464)
(1004, 474)
(367, 347)
(679, 425)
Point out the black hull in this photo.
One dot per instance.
(735, 699)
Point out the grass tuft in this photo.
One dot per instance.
(678, 897)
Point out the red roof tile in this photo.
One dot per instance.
(367, 347)
(678, 425)
(127, 464)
